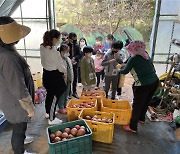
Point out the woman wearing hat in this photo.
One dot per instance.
(146, 82)
(16, 84)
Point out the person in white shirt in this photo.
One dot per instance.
(54, 73)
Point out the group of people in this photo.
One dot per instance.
(61, 64)
(69, 62)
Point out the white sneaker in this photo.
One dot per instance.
(56, 121)
(80, 84)
(28, 140)
(47, 116)
(25, 152)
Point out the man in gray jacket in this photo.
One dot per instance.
(111, 60)
(16, 84)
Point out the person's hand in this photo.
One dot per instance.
(97, 70)
(84, 83)
(123, 65)
(65, 78)
(27, 104)
(31, 113)
(116, 56)
(112, 61)
(120, 66)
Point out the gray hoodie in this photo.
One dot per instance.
(16, 84)
(109, 67)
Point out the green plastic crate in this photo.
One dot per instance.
(78, 145)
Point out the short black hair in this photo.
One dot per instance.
(87, 49)
(110, 37)
(117, 45)
(71, 35)
(64, 33)
(99, 38)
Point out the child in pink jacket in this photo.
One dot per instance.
(98, 67)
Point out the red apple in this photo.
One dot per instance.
(57, 139)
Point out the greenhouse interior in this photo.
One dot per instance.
(65, 96)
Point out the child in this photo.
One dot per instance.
(99, 45)
(111, 60)
(98, 67)
(62, 101)
(87, 69)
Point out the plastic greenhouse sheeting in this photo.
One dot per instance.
(168, 29)
(7, 7)
(92, 36)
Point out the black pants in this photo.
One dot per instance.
(75, 71)
(119, 89)
(98, 75)
(103, 74)
(141, 100)
(108, 81)
(54, 83)
(18, 136)
(79, 74)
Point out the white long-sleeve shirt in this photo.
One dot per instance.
(51, 59)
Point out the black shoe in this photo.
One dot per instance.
(75, 95)
(119, 94)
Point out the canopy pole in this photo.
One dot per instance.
(51, 11)
(155, 28)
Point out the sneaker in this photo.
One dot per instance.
(56, 121)
(28, 140)
(119, 97)
(75, 95)
(80, 84)
(127, 128)
(47, 116)
(70, 96)
(96, 88)
(25, 152)
(62, 111)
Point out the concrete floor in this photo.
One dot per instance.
(152, 137)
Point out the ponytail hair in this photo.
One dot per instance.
(48, 37)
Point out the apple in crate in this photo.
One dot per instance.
(81, 132)
(74, 131)
(57, 139)
(67, 130)
(65, 135)
(52, 136)
(58, 133)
